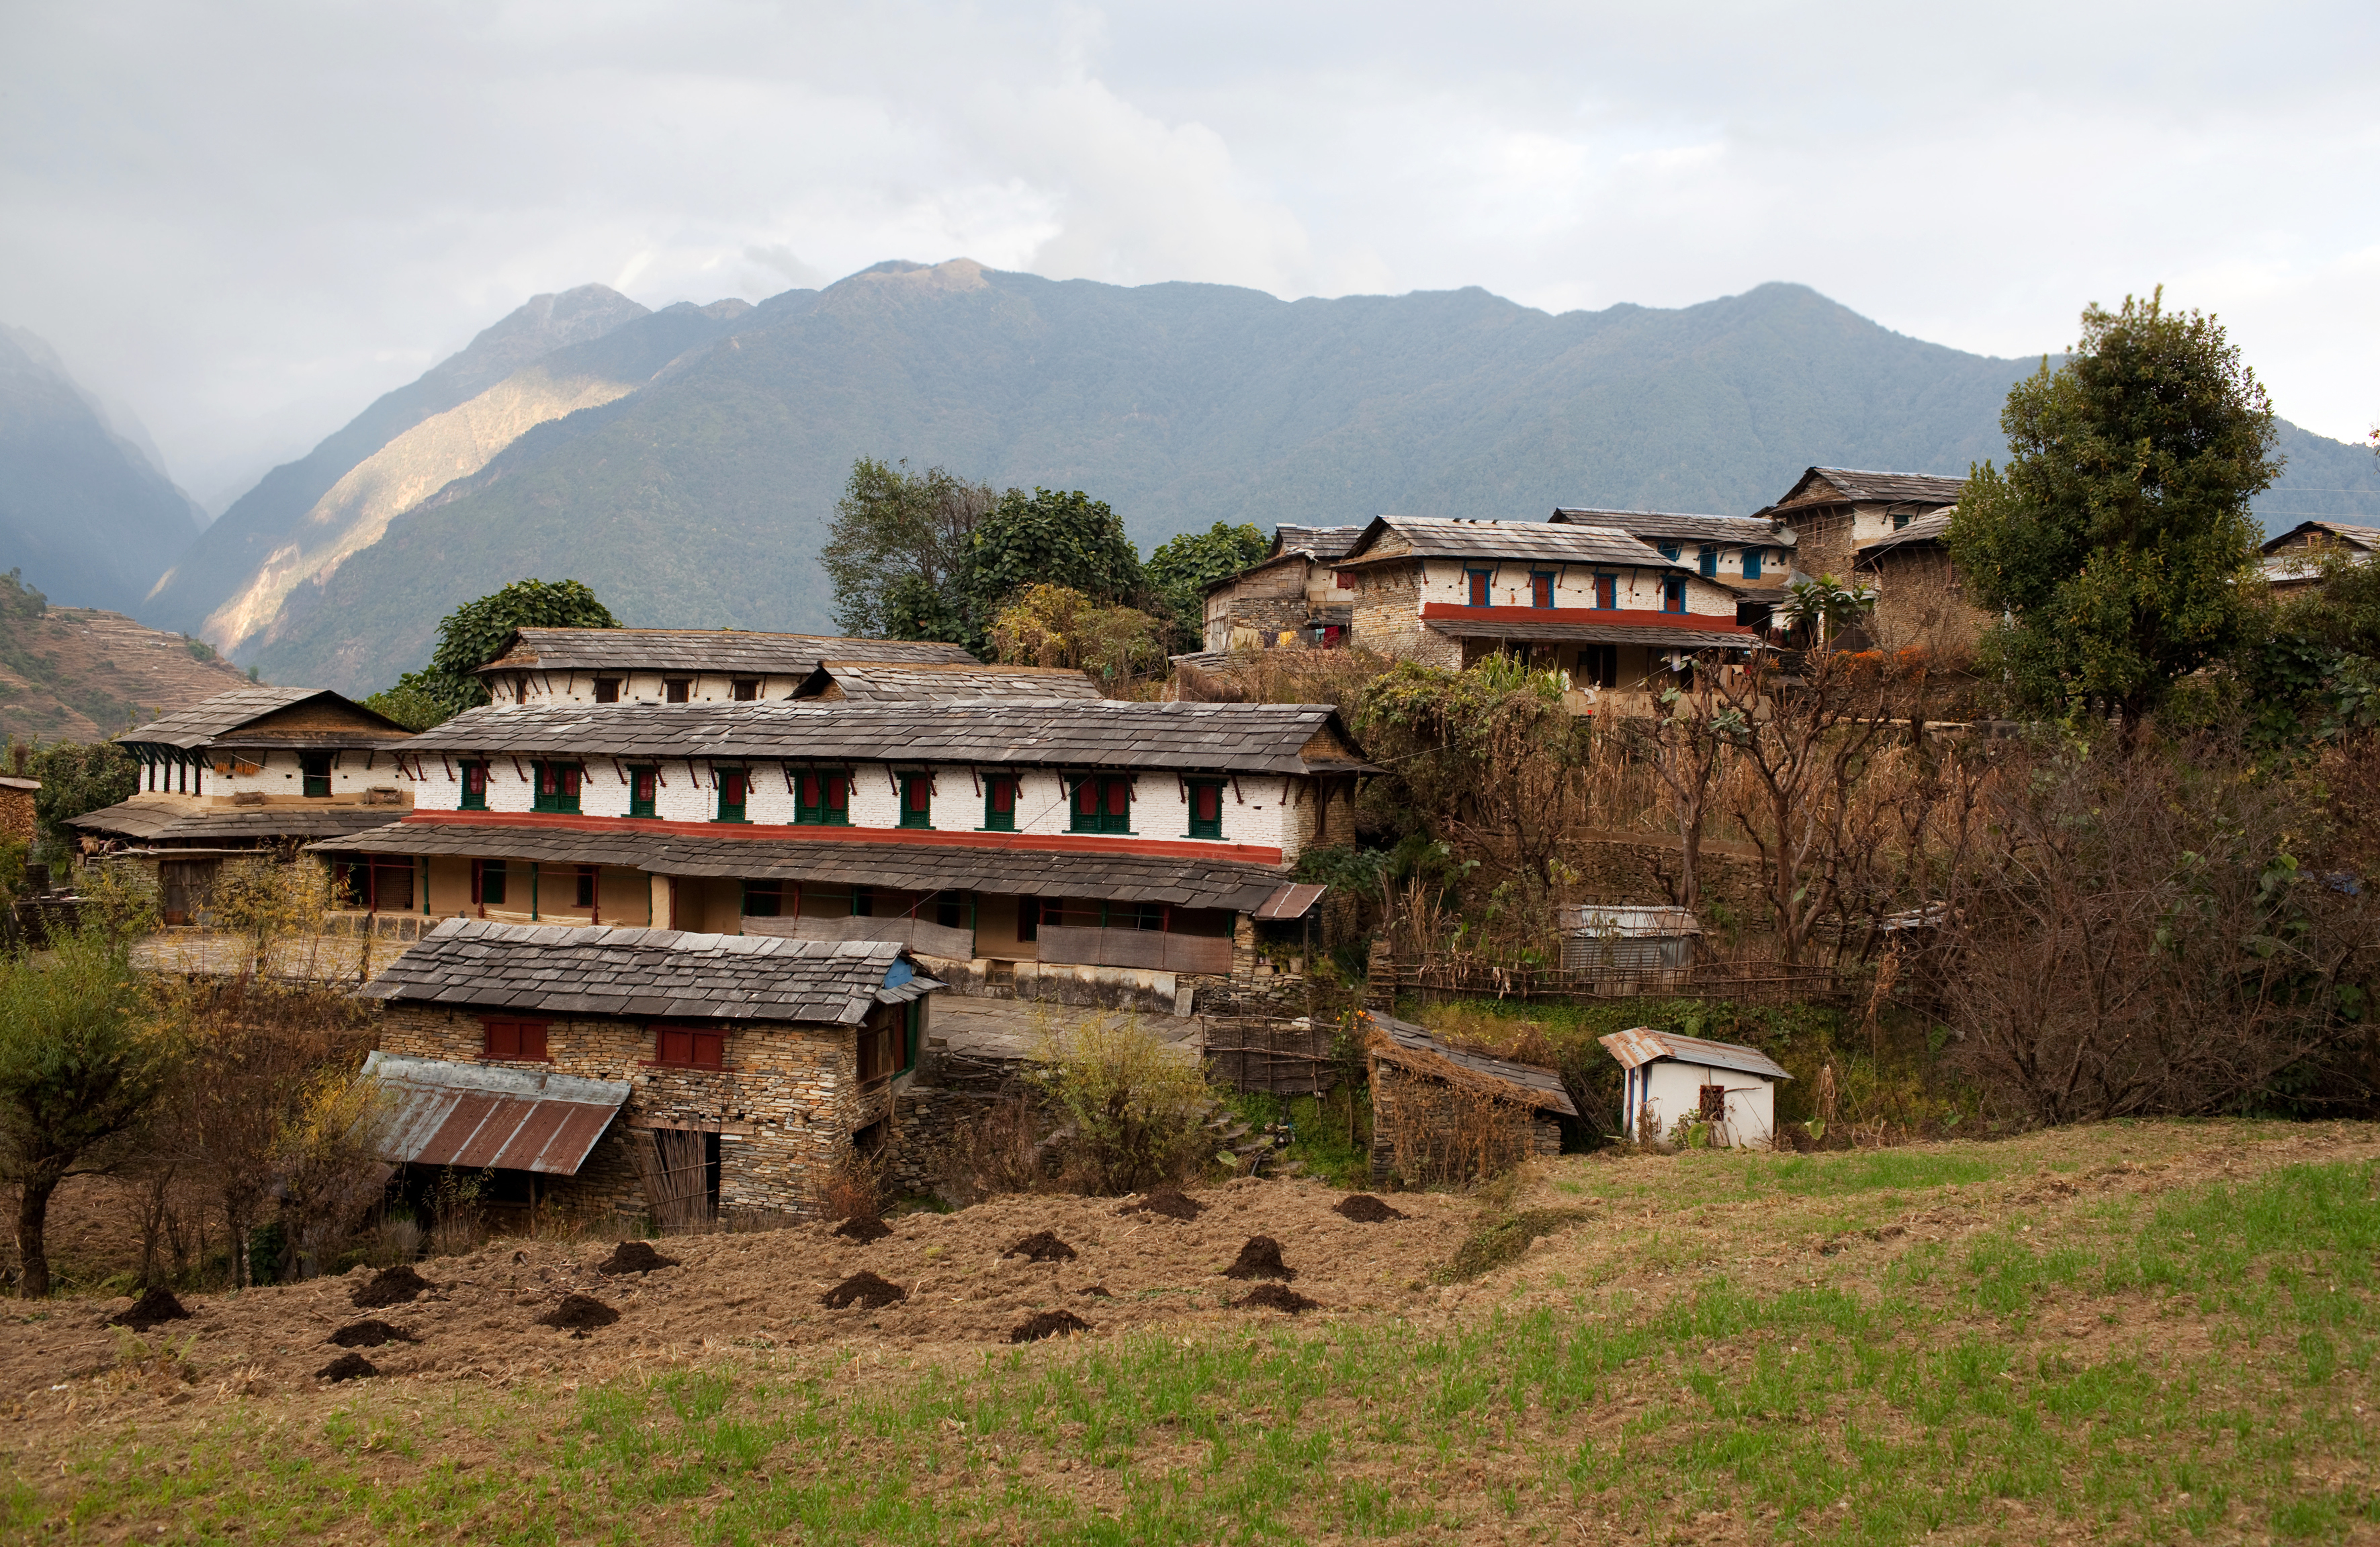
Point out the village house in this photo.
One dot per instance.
(253, 769)
(679, 665)
(1672, 1084)
(1099, 852)
(1292, 596)
(1617, 618)
(546, 1057)
(1444, 1114)
(1835, 512)
(2293, 561)
(1750, 557)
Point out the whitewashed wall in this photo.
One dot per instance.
(1447, 581)
(562, 686)
(1673, 1089)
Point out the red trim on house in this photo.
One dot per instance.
(1701, 623)
(1055, 843)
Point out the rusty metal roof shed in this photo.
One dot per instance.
(1640, 1045)
(478, 1116)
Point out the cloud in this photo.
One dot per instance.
(246, 220)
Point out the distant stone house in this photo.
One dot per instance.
(1835, 512)
(1613, 614)
(1890, 529)
(1750, 557)
(256, 768)
(540, 1054)
(680, 665)
(2293, 561)
(1292, 596)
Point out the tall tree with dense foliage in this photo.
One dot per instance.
(2117, 537)
(77, 778)
(474, 634)
(897, 549)
(1184, 566)
(81, 1062)
(1051, 538)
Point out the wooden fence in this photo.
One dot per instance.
(1748, 982)
(1278, 1057)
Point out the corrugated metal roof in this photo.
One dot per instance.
(1625, 922)
(474, 1116)
(1640, 1045)
(1291, 901)
(1538, 1087)
(1529, 541)
(718, 651)
(1093, 733)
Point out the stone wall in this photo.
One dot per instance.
(784, 1106)
(1451, 1128)
(1388, 618)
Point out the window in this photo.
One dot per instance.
(607, 689)
(1101, 805)
(675, 689)
(1028, 919)
(747, 690)
(1752, 557)
(1000, 805)
(1606, 591)
(1541, 590)
(888, 1041)
(683, 1047)
(523, 1040)
(734, 784)
(1480, 596)
(1673, 594)
(1707, 558)
(488, 882)
(824, 800)
(863, 902)
(315, 767)
(585, 895)
(1135, 916)
(1899, 522)
(764, 899)
(1344, 579)
(475, 786)
(1205, 809)
(916, 799)
(1669, 550)
(643, 783)
(1598, 665)
(557, 786)
(954, 911)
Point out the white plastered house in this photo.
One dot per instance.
(1666, 1077)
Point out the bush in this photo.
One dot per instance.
(1131, 1111)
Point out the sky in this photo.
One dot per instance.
(242, 221)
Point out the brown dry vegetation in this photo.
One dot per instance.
(1960, 1342)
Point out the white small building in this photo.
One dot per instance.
(1667, 1076)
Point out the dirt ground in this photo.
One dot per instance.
(763, 1292)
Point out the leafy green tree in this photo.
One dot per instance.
(474, 634)
(2119, 537)
(1049, 538)
(897, 548)
(2313, 672)
(81, 1061)
(408, 705)
(79, 778)
(1184, 566)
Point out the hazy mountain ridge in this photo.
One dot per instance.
(85, 510)
(242, 541)
(702, 497)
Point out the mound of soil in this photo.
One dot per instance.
(1169, 1201)
(347, 1367)
(863, 1289)
(389, 1286)
(1050, 1324)
(632, 1257)
(158, 1305)
(1273, 1296)
(369, 1334)
(1365, 1208)
(1042, 1246)
(1098, 1292)
(863, 1230)
(1260, 1259)
(580, 1313)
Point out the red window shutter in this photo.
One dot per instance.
(1478, 588)
(705, 1049)
(809, 790)
(1086, 798)
(1210, 803)
(570, 780)
(677, 1047)
(1541, 590)
(532, 1039)
(1003, 796)
(1119, 797)
(835, 793)
(920, 792)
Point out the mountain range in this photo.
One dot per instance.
(685, 462)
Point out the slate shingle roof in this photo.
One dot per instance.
(718, 651)
(1226, 737)
(1666, 525)
(157, 824)
(1922, 530)
(1319, 543)
(1532, 541)
(1537, 1086)
(1184, 882)
(559, 970)
(219, 718)
(1893, 488)
(862, 682)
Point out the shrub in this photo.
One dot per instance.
(1131, 1110)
